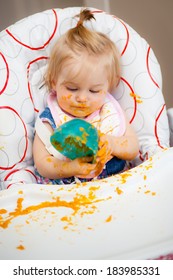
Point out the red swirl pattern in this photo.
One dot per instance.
(45, 44)
(7, 75)
(134, 97)
(25, 134)
(148, 68)
(28, 70)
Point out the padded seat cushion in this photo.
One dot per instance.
(24, 52)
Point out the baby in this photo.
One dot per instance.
(83, 68)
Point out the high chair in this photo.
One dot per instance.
(126, 216)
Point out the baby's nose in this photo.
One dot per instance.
(81, 97)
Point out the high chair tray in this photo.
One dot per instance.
(128, 216)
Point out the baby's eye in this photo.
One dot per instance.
(71, 89)
(94, 91)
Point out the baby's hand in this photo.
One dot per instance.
(104, 153)
(83, 168)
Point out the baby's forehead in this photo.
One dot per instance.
(81, 75)
(82, 64)
(71, 70)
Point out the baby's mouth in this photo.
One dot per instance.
(80, 107)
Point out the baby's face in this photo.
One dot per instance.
(82, 85)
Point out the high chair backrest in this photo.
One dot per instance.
(24, 52)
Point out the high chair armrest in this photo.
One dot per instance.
(170, 120)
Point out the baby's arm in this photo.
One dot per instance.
(50, 167)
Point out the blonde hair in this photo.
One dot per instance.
(79, 40)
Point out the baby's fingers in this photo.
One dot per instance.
(85, 160)
(103, 154)
(87, 170)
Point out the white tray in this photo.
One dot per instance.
(127, 216)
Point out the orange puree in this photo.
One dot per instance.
(124, 176)
(137, 97)
(119, 191)
(109, 219)
(78, 201)
(20, 247)
(3, 211)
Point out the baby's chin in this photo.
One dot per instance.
(81, 116)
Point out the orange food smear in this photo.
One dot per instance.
(102, 152)
(94, 188)
(20, 247)
(19, 211)
(3, 211)
(91, 211)
(124, 176)
(146, 192)
(109, 219)
(75, 205)
(78, 142)
(66, 219)
(148, 166)
(20, 192)
(137, 97)
(119, 191)
(49, 159)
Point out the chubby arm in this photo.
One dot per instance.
(50, 167)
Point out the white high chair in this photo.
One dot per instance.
(126, 216)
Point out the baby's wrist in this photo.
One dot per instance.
(72, 168)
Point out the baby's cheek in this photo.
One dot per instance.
(66, 97)
(102, 92)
